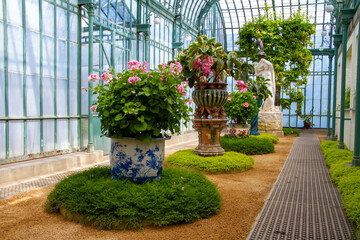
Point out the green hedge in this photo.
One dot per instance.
(181, 196)
(248, 146)
(288, 131)
(346, 178)
(230, 161)
(274, 139)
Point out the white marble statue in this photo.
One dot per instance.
(266, 70)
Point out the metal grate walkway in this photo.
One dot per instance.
(304, 203)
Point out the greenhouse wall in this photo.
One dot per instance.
(351, 75)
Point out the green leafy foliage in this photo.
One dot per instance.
(349, 186)
(346, 178)
(347, 97)
(206, 53)
(248, 146)
(272, 138)
(259, 86)
(288, 131)
(180, 196)
(241, 106)
(327, 146)
(144, 108)
(230, 161)
(285, 43)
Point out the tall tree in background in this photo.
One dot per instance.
(286, 44)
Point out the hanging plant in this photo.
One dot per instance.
(286, 44)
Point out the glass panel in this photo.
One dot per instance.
(73, 27)
(61, 97)
(48, 96)
(61, 23)
(1, 44)
(1, 11)
(32, 52)
(48, 131)
(84, 132)
(32, 14)
(61, 59)
(48, 56)
(62, 134)
(15, 48)
(73, 97)
(73, 61)
(74, 133)
(2, 94)
(33, 95)
(16, 138)
(2, 139)
(33, 137)
(48, 16)
(14, 12)
(84, 95)
(15, 94)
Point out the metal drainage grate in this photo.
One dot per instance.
(304, 203)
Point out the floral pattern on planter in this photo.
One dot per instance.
(238, 130)
(135, 160)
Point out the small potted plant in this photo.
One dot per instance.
(240, 107)
(307, 118)
(137, 108)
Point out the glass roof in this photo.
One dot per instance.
(235, 13)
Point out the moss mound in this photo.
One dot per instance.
(180, 196)
(288, 131)
(274, 139)
(230, 161)
(248, 146)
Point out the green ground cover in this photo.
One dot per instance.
(181, 196)
(229, 162)
(288, 131)
(346, 178)
(249, 146)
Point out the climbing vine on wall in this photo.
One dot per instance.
(286, 44)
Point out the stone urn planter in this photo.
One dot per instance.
(136, 160)
(209, 99)
(209, 117)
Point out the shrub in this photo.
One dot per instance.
(349, 186)
(346, 178)
(336, 155)
(288, 131)
(272, 138)
(230, 161)
(248, 146)
(180, 196)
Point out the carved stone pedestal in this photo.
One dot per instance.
(271, 122)
(209, 136)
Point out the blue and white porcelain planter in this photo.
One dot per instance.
(136, 160)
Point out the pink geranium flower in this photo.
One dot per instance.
(106, 77)
(132, 65)
(180, 88)
(229, 98)
(197, 63)
(206, 68)
(246, 105)
(93, 109)
(243, 90)
(93, 77)
(254, 97)
(133, 79)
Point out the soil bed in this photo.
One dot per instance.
(23, 217)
